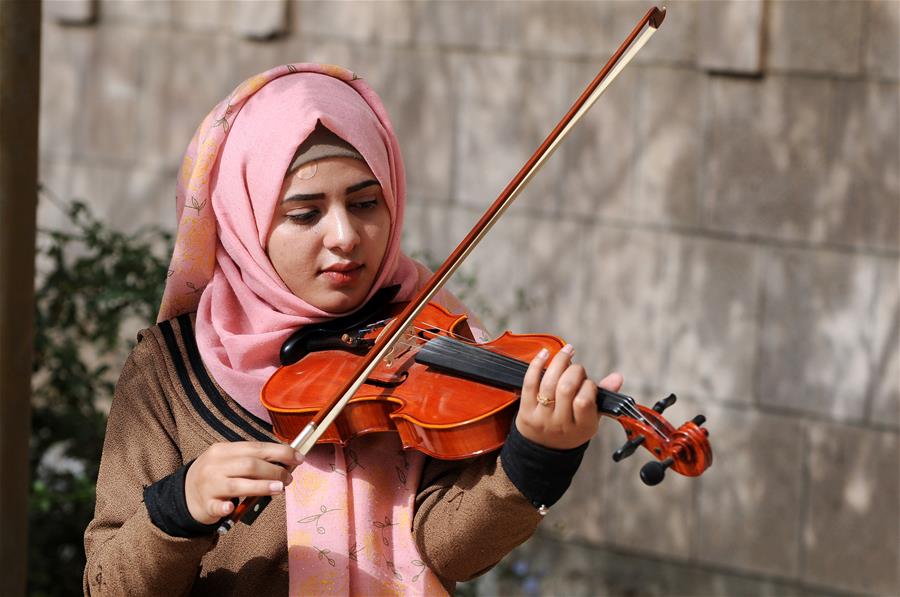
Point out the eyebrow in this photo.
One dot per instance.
(349, 190)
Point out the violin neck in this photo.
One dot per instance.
(462, 359)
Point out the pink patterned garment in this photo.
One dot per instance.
(349, 511)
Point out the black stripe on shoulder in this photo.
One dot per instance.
(190, 342)
(211, 420)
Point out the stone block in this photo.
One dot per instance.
(102, 187)
(208, 16)
(469, 24)
(677, 41)
(546, 565)
(153, 108)
(127, 199)
(625, 321)
(882, 30)
(417, 88)
(70, 12)
(334, 52)
(66, 55)
(54, 176)
(148, 200)
(573, 29)
(851, 538)
(767, 160)
(486, 282)
(595, 165)
(570, 29)
(254, 56)
(711, 314)
(556, 268)
(883, 388)
(731, 36)
(259, 19)
(816, 36)
(750, 500)
(201, 74)
(135, 12)
(108, 126)
(861, 200)
(359, 21)
(668, 146)
(588, 510)
(666, 510)
(507, 106)
(818, 347)
(432, 231)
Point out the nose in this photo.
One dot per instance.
(341, 235)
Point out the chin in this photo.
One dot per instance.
(340, 302)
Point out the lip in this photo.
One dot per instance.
(342, 274)
(342, 267)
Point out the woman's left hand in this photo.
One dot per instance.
(558, 409)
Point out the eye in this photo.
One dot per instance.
(363, 204)
(302, 217)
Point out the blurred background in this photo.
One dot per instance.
(723, 225)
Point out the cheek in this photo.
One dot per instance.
(291, 251)
(380, 233)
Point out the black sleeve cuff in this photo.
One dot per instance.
(167, 507)
(542, 474)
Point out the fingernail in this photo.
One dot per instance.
(568, 349)
(298, 456)
(276, 486)
(227, 507)
(543, 353)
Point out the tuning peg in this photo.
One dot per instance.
(628, 448)
(653, 472)
(698, 420)
(664, 403)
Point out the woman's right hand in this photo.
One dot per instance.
(229, 470)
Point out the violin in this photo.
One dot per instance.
(445, 394)
(413, 367)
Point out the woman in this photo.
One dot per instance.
(290, 206)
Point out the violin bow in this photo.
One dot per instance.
(393, 332)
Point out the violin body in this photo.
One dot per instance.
(446, 395)
(444, 415)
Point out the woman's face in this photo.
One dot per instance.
(330, 232)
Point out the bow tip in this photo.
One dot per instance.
(656, 19)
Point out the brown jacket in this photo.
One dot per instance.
(167, 411)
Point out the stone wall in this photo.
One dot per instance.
(724, 225)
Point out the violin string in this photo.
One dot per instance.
(453, 349)
(628, 406)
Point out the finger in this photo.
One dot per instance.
(251, 467)
(238, 488)
(219, 508)
(275, 452)
(554, 371)
(531, 384)
(612, 382)
(584, 407)
(271, 451)
(569, 383)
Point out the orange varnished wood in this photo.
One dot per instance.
(441, 415)
(687, 445)
(444, 416)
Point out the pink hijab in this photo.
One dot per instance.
(228, 187)
(349, 511)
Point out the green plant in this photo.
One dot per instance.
(92, 283)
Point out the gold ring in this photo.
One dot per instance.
(544, 401)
